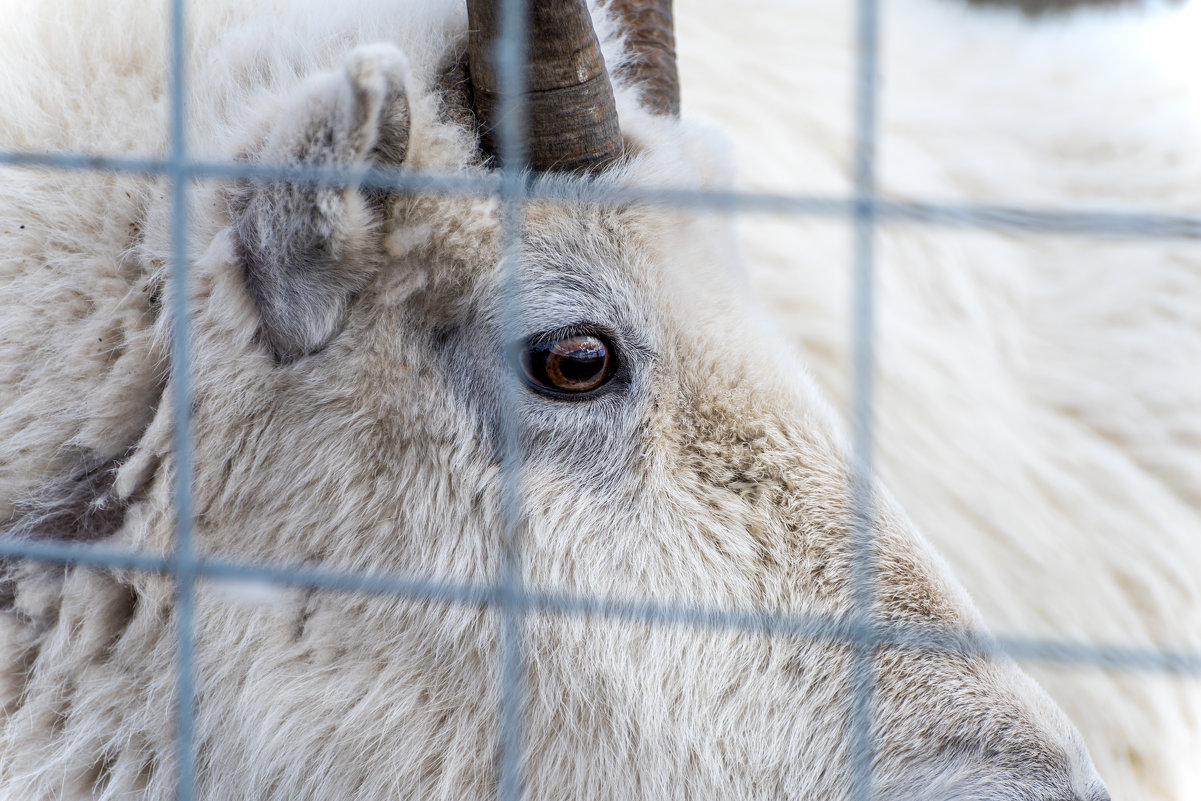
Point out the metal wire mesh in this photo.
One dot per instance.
(864, 209)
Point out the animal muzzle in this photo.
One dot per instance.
(979, 777)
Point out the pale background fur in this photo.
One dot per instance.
(1039, 406)
(1034, 411)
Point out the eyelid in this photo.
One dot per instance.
(573, 330)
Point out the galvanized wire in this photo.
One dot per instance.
(1025, 220)
(511, 140)
(835, 630)
(183, 562)
(865, 209)
(863, 573)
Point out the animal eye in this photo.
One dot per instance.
(573, 364)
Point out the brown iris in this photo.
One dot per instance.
(573, 364)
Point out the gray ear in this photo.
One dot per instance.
(306, 250)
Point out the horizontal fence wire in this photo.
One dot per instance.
(1044, 650)
(1017, 219)
(863, 208)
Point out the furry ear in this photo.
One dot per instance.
(306, 250)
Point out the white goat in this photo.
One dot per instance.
(348, 356)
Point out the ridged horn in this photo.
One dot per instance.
(571, 118)
(651, 40)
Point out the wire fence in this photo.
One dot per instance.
(865, 209)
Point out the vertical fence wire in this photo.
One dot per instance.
(510, 66)
(183, 561)
(863, 578)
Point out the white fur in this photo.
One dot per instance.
(1039, 406)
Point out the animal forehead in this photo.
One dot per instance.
(620, 265)
(667, 254)
(588, 264)
(581, 234)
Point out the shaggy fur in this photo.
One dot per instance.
(347, 360)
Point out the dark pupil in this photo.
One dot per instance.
(572, 364)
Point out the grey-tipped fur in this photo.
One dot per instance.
(305, 249)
